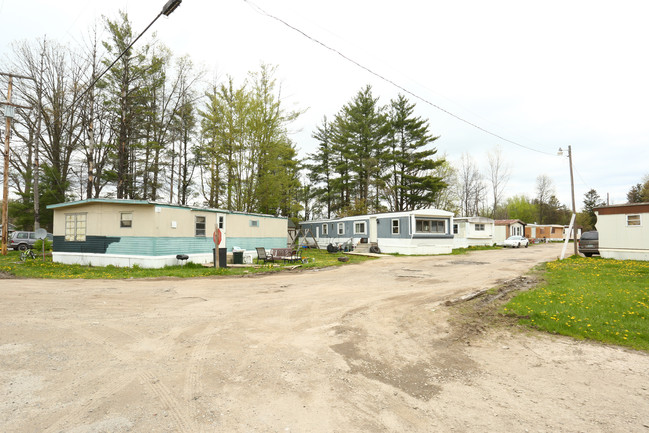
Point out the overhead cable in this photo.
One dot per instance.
(387, 80)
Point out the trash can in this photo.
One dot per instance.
(223, 257)
(237, 257)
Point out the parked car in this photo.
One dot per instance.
(516, 242)
(589, 243)
(21, 240)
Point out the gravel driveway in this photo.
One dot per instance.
(361, 348)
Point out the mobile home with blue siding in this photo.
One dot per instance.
(425, 231)
(118, 232)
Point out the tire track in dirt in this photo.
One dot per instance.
(183, 420)
(74, 417)
(193, 388)
(86, 381)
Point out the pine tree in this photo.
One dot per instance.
(592, 200)
(321, 167)
(411, 182)
(361, 129)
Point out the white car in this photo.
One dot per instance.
(516, 242)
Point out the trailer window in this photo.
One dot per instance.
(430, 226)
(75, 227)
(200, 225)
(126, 220)
(633, 220)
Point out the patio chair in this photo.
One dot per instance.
(295, 256)
(262, 255)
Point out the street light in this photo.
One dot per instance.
(167, 9)
(170, 7)
(572, 190)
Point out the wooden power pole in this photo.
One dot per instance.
(9, 114)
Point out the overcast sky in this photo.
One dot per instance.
(543, 75)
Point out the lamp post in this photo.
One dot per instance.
(167, 9)
(572, 190)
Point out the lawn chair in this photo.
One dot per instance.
(262, 255)
(295, 256)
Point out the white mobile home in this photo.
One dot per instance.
(425, 231)
(473, 231)
(623, 231)
(118, 232)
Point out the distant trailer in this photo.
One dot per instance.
(424, 231)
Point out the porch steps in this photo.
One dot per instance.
(365, 248)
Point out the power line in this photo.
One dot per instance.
(387, 80)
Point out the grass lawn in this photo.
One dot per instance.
(460, 251)
(590, 298)
(11, 265)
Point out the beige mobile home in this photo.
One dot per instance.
(117, 232)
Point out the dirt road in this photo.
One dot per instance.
(362, 348)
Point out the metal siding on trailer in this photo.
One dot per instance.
(135, 245)
(385, 228)
(161, 246)
(252, 243)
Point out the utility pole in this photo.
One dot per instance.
(9, 114)
(39, 93)
(574, 208)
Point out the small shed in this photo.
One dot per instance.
(623, 231)
(473, 231)
(124, 233)
(424, 231)
(506, 228)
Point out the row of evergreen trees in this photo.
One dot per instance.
(148, 130)
(373, 158)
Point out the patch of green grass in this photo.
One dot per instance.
(11, 265)
(590, 298)
(459, 251)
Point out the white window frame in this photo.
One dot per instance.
(123, 221)
(325, 229)
(75, 226)
(341, 229)
(429, 222)
(397, 226)
(639, 220)
(254, 223)
(456, 228)
(479, 227)
(197, 229)
(360, 232)
(221, 221)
